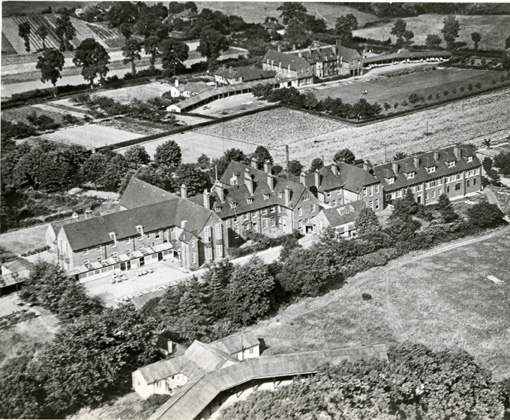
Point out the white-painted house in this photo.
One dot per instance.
(165, 376)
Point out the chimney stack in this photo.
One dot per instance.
(287, 196)
(300, 54)
(366, 167)
(317, 178)
(254, 163)
(176, 82)
(293, 47)
(302, 178)
(207, 199)
(417, 162)
(279, 48)
(394, 166)
(183, 224)
(334, 169)
(287, 157)
(267, 166)
(184, 191)
(219, 190)
(436, 156)
(271, 182)
(248, 180)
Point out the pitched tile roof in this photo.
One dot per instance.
(247, 74)
(95, 231)
(140, 193)
(287, 60)
(349, 177)
(235, 343)
(191, 399)
(262, 196)
(420, 161)
(347, 213)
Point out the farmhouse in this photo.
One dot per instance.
(141, 235)
(250, 200)
(165, 376)
(230, 76)
(453, 170)
(272, 25)
(289, 65)
(202, 397)
(342, 219)
(331, 60)
(341, 183)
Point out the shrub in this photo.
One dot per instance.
(494, 82)
(454, 91)
(462, 88)
(485, 215)
(395, 105)
(438, 95)
(478, 85)
(446, 92)
(366, 296)
(429, 97)
(470, 87)
(404, 103)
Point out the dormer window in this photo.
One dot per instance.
(266, 196)
(233, 204)
(233, 181)
(470, 158)
(217, 209)
(391, 180)
(431, 169)
(249, 200)
(280, 195)
(410, 175)
(451, 164)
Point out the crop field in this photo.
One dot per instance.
(90, 136)
(274, 128)
(490, 28)
(438, 298)
(258, 11)
(109, 38)
(141, 92)
(193, 144)
(396, 89)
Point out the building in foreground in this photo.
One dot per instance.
(234, 76)
(453, 170)
(165, 376)
(202, 397)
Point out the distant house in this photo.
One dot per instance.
(290, 66)
(189, 89)
(165, 376)
(272, 25)
(14, 273)
(230, 76)
(342, 219)
(453, 170)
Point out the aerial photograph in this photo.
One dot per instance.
(255, 210)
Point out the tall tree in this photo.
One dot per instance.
(367, 222)
(114, 172)
(295, 167)
(137, 155)
(451, 27)
(507, 42)
(42, 32)
(250, 292)
(151, 47)
(126, 29)
(193, 177)
(296, 34)
(408, 35)
(122, 12)
(212, 43)
(65, 32)
(292, 10)
(93, 58)
(173, 54)
(94, 168)
(476, 37)
(24, 33)
(262, 155)
(345, 25)
(433, 41)
(131, 51)
(344, 155)
(446, 209)
(398, 30)
(168, 154)
(317, 163)
(51, 64)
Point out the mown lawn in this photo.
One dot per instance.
(444, 299)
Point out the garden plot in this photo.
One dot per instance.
(193, 144)
(90, 136)
(141, 92)
(274, 128)
(465, 121)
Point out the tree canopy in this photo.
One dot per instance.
(344, 155)
(451, 27)
(173, 54)
(168, 154)
(50, 64)
(212, 44)
(93, 59)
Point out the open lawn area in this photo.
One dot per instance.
(231, 105)
(392, 89)
(90, 136)
(193, 144)
(491, 27)
(141, 92)
(20, 114)
(439, 298)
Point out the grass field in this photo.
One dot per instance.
(439, 298)
(258, 11)
(231, 105)
(396, 89)
(90, 136)
(490, 28)
(141, 92)
(193, 144)
(20, 114)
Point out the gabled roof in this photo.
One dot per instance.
(349, 177)
(262, 195)
(287, 60)
(247, 74)
(169, 367)
(195, 87)
(16, 266)
(191, 399)
(347, 53)
(459, 154)
(236, 342)
(95, 231)
(140, 193)
(342, 215)
(206, 357)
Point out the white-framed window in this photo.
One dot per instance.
(233, 204)
(399, 193)
(99, 259)
(99, 248)
(255, 214)
(128, 252)
(86, 252)
(193, 258)
(328, 195)
(157, 235)
(459, 176)
(365, 192)
(377, 189)
(477, 171)
(306, 197)
(451, 164)
(249, 200)
(431, 169)
(371, 191)
(433, 194)
(86, 262)
(418, 188)
(192, 244)
(264, 212)
(266, 196)
(128, 241)
(115, 254)
(218, 234)
(218, 250)
(376, 203)
(273, 222)
(300, 224)
(470, 158)
(272, 210)
(264, 223)
(148, 236)
(207, 233)
(391, 180)
(300, 211)
(217, 209)
(410, 175)
(313, 208)
(208, 253)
